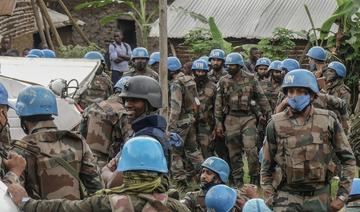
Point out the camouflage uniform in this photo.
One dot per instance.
(205, 117)
(271, 90)
(354, 138)
(148, 72)
(216, 75)
(304, 155)
(183, 97)
(340, 90)
(44, 177)
(5, 138)
(104, 125)
(99, 89)
(233, 99)
(195, 200)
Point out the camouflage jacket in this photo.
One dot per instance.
(44, 177)
(5, 138)
(104, 125)
(184, 102)
(271, 90)
(215, 76)
(108, 203)
(207, 95)
(304, 152)
(340, 90)
(234, 96)
(195, 201)
(148, 72)
(99, 89)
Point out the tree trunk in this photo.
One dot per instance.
(163, 57)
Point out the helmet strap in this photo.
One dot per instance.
(23, 126)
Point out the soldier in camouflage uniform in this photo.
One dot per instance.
(184, 103)
(262, 69)
(233, 99)
(205, 117)
(301, 141)
(140, 58)
(60, 163)
(103, 125)
(154, 61)
(217, 60)
(215, 171)
(100, 87)
(317, 58)
(144, 189)
(334, 77)
(11, 164)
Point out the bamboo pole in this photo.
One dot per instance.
(38, 21)
(45, 14)
(163, 57)
(47, 34)
(76, 26)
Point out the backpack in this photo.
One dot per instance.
(107, 54)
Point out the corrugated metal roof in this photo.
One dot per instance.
(246, 18)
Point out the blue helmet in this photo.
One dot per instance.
(200, 65)
(275, 65)
(154, 58)
(290, 64)
(317, 53)
(263, 62)
(36, 52)
(140, 52)
(219, 166)
(217, 54)
(36, 100)
(339, 68)
(220, 198)
(204, 58)
(49, 53)
(119, 86)
(134, 158)
(4, 96)
(355, 187)
(32, 56)
(94, 55)
(174, 64)
(300, 78)
(255, 205)
(234, 58)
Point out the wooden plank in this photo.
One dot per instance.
(7, 7)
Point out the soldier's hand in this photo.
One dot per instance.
(262, 120)
(336, 204)
(250, 191)
(112, 165)
(15, 163)
(17, 193)
(219, 131)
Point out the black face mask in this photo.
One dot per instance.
(201, 80)
(23, 126)
(2, 127)
(140, 66)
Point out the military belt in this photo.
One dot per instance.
(325, 189)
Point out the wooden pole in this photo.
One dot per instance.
(47, 34)
(38, 21)
(46, 15)
(76, 26)
(163, 57)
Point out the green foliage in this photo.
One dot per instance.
(76, 51)
(202, 41)
(137, 13)
(277, 47)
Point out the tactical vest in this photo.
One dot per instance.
(190, 95)
(101, 121)
(303, 152)
(124, 203)
(48, 179)
(206, 109)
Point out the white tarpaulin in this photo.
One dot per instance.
(21, 72)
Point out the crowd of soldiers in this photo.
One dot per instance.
(291, 125)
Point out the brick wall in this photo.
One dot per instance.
(20, 24)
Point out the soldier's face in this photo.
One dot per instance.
(233, 69)
(216, 63)
(207, 176)
(277, 75)
(155, 67)
(140, 63)
(262, 71)
(199, 73)
(330, 75)
(292, 92)
(134, 107)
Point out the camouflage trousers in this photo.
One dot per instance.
(203, 138)
(287, 202)
(241, 136)
(186, 161)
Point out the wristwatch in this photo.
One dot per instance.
(342, 198)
